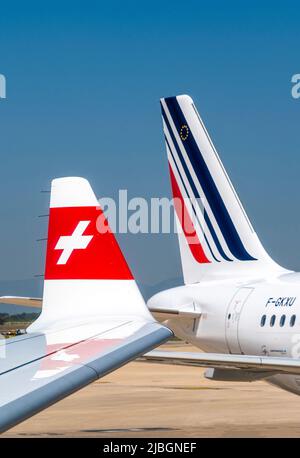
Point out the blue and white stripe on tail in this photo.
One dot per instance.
(216, 237)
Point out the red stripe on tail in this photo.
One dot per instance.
(186, 223)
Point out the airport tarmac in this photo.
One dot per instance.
(155, 400)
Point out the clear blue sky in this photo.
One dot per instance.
(83, 85)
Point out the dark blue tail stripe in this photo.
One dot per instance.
(193, 207)
(211, 192)
(194, 189)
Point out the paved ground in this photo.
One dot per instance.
(155, 400)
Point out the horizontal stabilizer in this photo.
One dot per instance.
(227, 361)
(184, 311)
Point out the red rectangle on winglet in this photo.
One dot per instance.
(78, 248)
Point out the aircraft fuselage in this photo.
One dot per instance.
(253, 316)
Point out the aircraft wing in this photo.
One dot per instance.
(227, 361)
(39, 369)
(20, 300)
(93, 320)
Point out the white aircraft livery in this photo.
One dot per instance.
(93, 319)
(236, 304)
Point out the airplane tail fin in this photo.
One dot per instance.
(216, 237)
(86, 273)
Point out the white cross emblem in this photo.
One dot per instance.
(76, 241)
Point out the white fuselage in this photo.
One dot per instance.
(253, 317)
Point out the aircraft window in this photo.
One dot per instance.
(292, 320)
(263, 320)
(282, 320)
(272, 320)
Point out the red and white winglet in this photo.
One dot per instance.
(93, 318)
(86, 272)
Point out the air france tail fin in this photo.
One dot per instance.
(216, 237)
